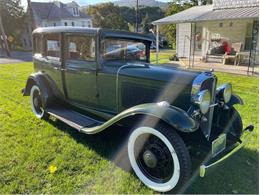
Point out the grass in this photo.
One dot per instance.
(88, 164)
(163, 56)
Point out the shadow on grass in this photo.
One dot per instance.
(238, 174)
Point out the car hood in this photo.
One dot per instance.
(160, 73)
(152, 83)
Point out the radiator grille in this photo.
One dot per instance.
(210, 85)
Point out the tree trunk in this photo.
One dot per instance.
(6, 47)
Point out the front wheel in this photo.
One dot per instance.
(159, 158)
(36, 103)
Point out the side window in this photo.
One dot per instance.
(37, 45)
(53, 45)
(81, 48)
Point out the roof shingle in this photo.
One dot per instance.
(207, 13)
(51, 11)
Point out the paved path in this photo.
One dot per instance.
(16, 57)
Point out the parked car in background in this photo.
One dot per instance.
(93, 78)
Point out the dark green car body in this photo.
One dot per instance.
(110, 91)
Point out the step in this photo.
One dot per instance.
(71, 117)
(215, 58)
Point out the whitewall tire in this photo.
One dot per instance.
(156, 155)
(36, 102)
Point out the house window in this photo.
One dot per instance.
(81, 48)
(89, 24)
(83, 24)
(75, 11)
(53, 45)
(72, 23)
(54, 24)
(65, 23)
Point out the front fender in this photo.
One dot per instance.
(235, 99)
(173, 116)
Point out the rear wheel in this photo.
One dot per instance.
(159, 158)
(36, 102)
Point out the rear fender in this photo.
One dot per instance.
(173, 116)
(41, 81)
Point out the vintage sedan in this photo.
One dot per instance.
(94, 78)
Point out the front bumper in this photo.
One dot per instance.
(247, 134)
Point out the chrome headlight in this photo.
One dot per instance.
(202, 99)
(224, 92)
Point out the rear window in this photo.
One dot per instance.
(53, 45)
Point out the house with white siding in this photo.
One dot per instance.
(207, 31)
(54, 13)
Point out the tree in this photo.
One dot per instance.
(146, 25)
(173, 8)
(11, 14)
(107, 15)
(145, 15)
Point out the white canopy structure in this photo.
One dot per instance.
(220, 10)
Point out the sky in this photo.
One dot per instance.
(80, 2)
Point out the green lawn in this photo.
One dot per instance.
(88, 164)
(163, 56)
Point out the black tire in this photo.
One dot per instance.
(36, 103)
(153, 176)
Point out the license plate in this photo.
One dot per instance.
(219, 144)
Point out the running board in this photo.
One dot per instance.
(72, 118)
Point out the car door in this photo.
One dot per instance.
(80, 69)
(49, 61)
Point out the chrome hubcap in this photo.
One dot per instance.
(149, 159)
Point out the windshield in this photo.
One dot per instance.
(119, 49)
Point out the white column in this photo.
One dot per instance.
(157, 44)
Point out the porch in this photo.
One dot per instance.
(218, 67)
(198, 64)
(222, 36)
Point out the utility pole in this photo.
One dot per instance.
(4, 38)
(136, 16)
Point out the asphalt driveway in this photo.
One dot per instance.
(16, 57)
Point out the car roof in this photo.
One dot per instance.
(104, 33)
